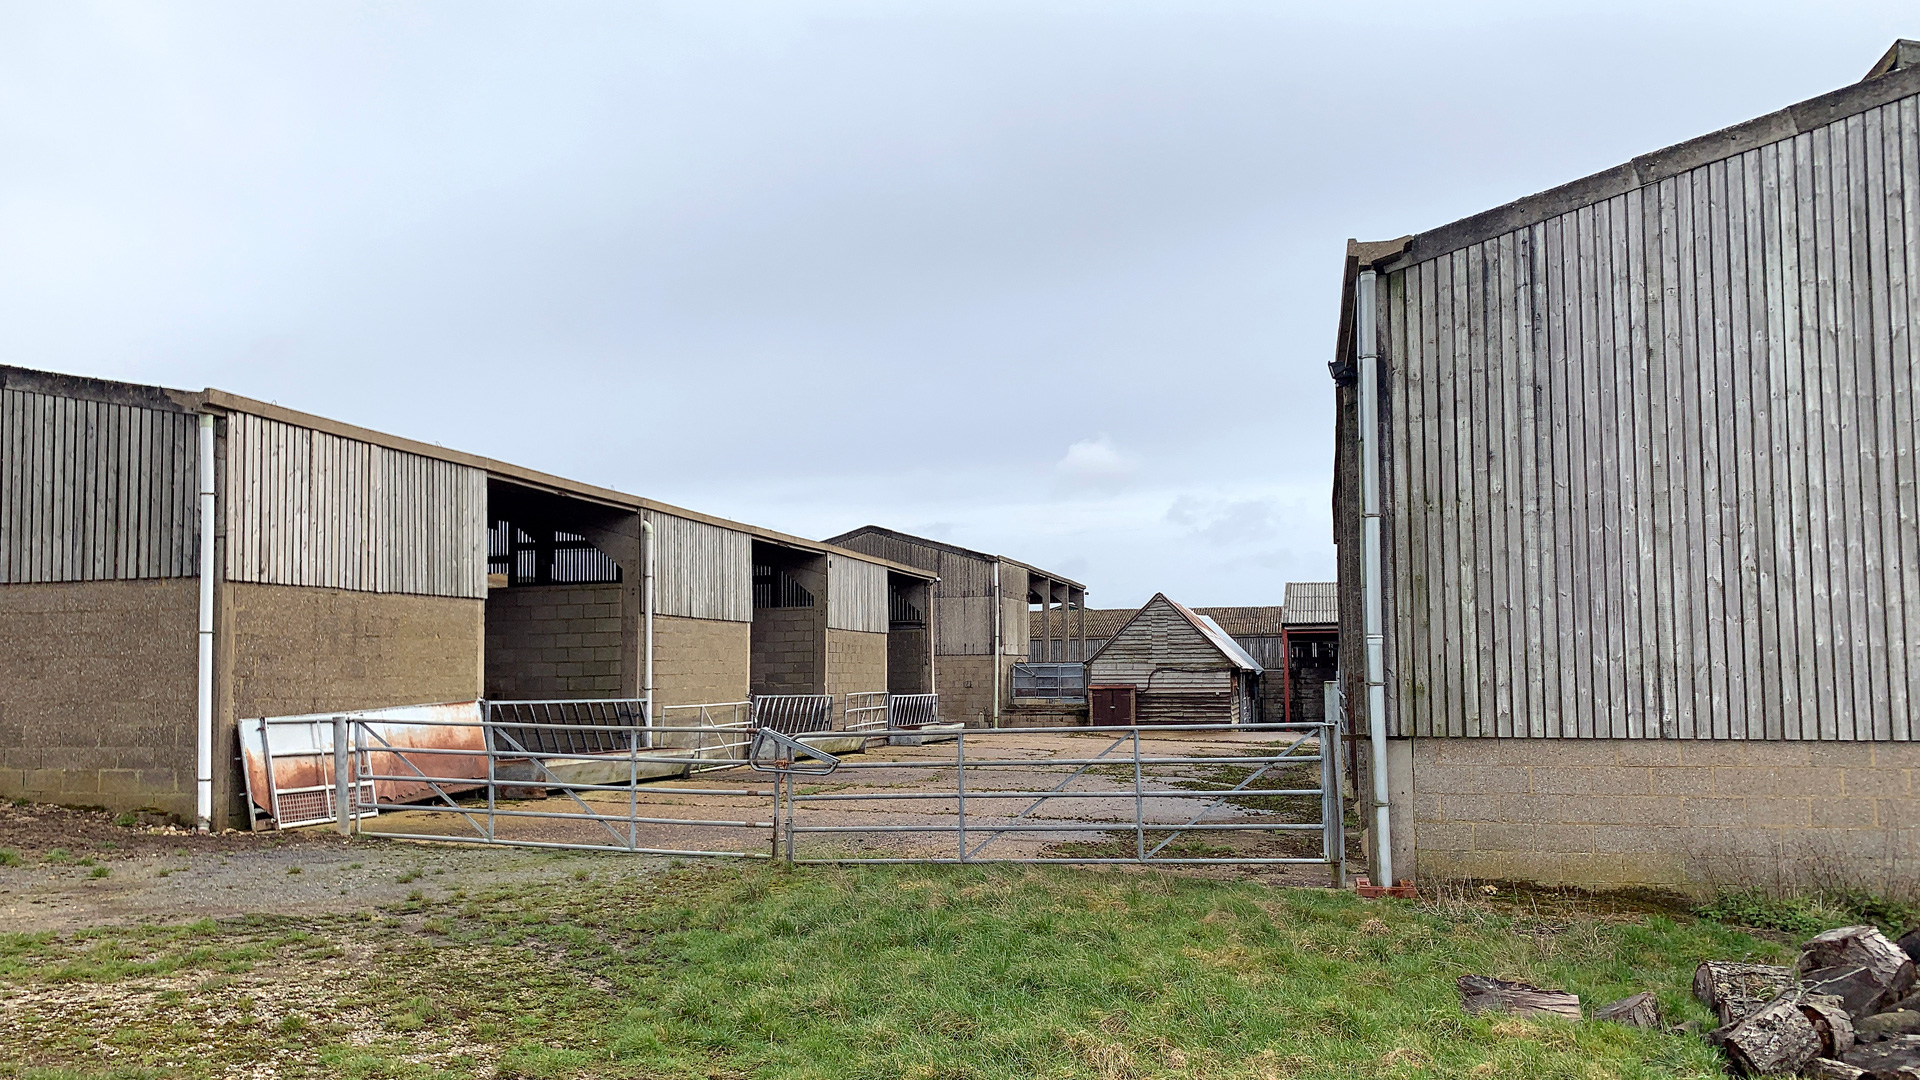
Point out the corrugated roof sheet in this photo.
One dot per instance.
(1101, 622)
(1312, 602)
(1221, 640)
(1246, 621)
(1231, 647)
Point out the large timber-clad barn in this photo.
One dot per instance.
(351, 569)
(980, 617)
(1649, 568)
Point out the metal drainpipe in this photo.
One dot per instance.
(203, 718)
(646, 590)
(996, 644)
(1364, 318)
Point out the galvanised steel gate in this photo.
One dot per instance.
(1184, 794)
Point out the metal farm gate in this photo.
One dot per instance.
(889, 785)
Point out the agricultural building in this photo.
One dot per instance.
(1629, 546)
(982, 616)
(345, 569)
(1171, 665)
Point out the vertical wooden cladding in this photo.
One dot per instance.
(856, 595)
(93, 491)
(1651, 462)
(307, 508)
(703, 571)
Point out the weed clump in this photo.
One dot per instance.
(1805, 916)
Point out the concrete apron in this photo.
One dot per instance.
(927, 734)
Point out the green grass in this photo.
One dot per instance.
(936, 973)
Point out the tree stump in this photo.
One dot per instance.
(1481, 993)
(1777, 1038)
(1734, 990)
(1639, 1011)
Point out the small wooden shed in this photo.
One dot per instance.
(1169, 665)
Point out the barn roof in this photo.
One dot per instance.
(1218, 638)
(1247, 621)
(1894, 77)
(1101, 622)
(1312, 602)
(956, 549)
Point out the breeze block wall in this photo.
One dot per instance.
(856, 663)
(1691, 815)
(965, 685)
(700, 661)
(300, 650)
(789, 650)
(97, 691)
(554, 641)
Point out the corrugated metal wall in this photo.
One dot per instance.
(307, 508)
(856, 595)
(1651, 463)
(704, 571)
(92, 491)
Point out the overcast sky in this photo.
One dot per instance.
(1055, 280)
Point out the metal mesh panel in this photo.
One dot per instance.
(603, 726)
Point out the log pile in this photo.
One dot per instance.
(1840, 1013)
(1847, 1009)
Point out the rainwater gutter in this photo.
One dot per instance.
(203, 714)
(1370, 582)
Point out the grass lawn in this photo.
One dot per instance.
(938, 973)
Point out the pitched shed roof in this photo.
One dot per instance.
(1221, 641)
(1310, 602)
(942, 545)
(1246, 621)
(1101, 622)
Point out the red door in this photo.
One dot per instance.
(1112, 706)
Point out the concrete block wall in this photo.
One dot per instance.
(1682, 814)
(97, 691)
(700, 661)
(965, 685)
(298, 650)
(555, 641)
(856, 663)
(789, 654)
(285, 650)
(909, 667)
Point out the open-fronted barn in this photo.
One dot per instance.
(980, 616)
(1626, 506)
(171, 562)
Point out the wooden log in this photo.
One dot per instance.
(1910, 944)
(1829, 1069)
(1897, 1058)
(1734, 990)
(1858, 987)
(1639, 1011)
(1481, 993)
(1777, 1038)
(1831, 1022)
(1864, 947)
